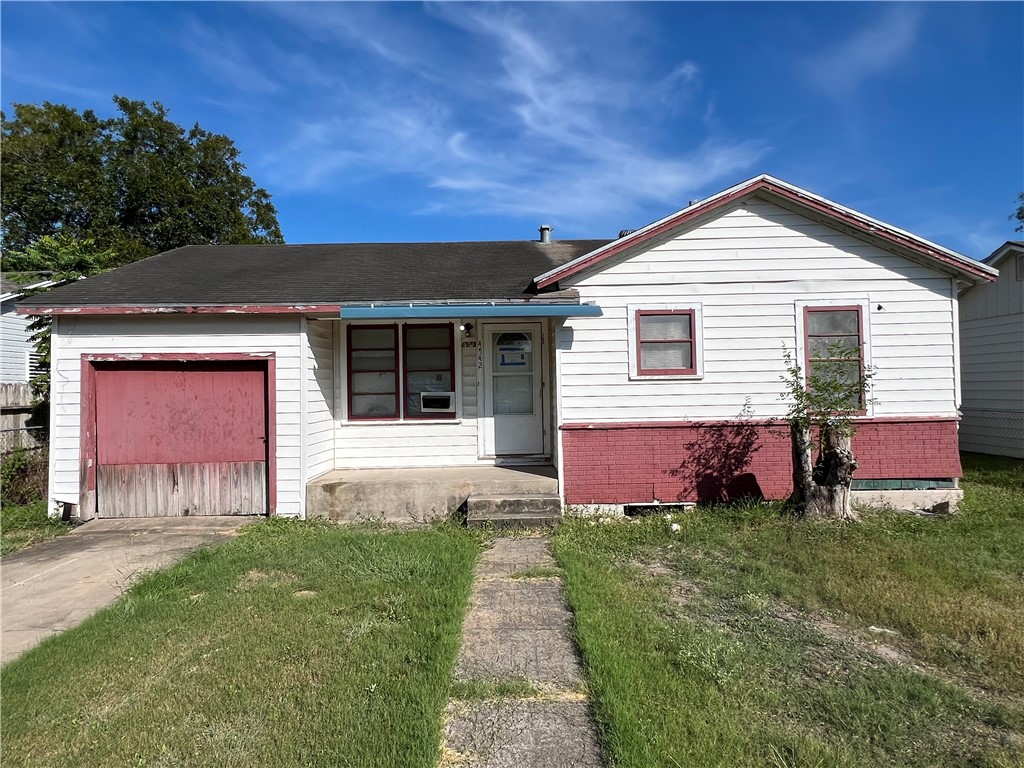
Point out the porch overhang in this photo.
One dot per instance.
(411, 311)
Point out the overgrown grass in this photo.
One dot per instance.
(22, 526)
(745, 637)
(295, 644)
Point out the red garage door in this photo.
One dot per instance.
(181, 438)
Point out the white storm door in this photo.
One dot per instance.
(514, 419)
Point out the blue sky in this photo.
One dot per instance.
(445, 121)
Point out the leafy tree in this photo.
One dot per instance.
(824, 402)
(136, 183)
(1018, 215)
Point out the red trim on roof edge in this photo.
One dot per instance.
(758, 185)
(232, 309)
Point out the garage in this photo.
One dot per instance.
(180, 437)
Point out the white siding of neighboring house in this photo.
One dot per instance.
(749, 268)
(76, 336)
(412, 443)
(992, 346)
(15, 344)
(320, 397)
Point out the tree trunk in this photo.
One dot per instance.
(822, 491)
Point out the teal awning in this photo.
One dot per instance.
(429, 311)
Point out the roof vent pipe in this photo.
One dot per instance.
(545, 233)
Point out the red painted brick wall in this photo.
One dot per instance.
(642, 462)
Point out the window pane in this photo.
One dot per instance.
(373, 338)
(374, 405)
(418, 338)
(823, 347)
(839, 321)
(367, 383)
(428, 359)
(513, 394)
(515, 341)
(429, 381)
(513, 353)
(665, 356)
(835, 372)
(654, 327)
(373, 360)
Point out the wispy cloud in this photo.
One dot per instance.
(225, 58)
(870, 51)
(493, 110)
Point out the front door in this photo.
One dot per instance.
(513, 414)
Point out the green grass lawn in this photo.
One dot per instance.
(22, 526)
(295, 644)
(745, 638)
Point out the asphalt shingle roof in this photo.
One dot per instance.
(203, 275)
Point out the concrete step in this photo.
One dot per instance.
(534, 510)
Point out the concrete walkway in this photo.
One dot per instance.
(57, 584)
(518, 631)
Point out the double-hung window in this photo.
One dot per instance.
(401, 372)
(665, 341)
(835, 348)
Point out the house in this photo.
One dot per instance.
(992, 340)
(640, 370)
(19, 363)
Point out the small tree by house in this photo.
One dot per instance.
(823, 405)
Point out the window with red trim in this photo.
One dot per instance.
(665, 343)
(373, 371)
(386, 379)
(429, 365)
(834, 346)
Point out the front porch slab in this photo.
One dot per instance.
(417, 495)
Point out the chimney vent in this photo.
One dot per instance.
(545, 233)
(692, 203)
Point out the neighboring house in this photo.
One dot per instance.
(18, 360)
(992, 344)
(19, 363)
(646, 369)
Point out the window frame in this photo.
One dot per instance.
(401, 385)
(396, 371)
(805, 353)
(637, 371)
(403, 366)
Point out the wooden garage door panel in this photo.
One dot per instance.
(180, 413)
(172, 490)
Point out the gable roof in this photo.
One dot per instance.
(311, 277)
(9, 289)
(793, 197)
(1004, 250)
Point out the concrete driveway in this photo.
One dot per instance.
(57, 584)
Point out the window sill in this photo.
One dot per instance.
(395, 422)
(666, 376)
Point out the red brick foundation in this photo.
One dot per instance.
(636, 463)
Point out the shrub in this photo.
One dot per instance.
(23, 476)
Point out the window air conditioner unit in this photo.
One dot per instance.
(437, 402)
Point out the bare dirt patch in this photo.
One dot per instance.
(258, 578)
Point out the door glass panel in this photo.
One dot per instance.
(513, 394)
(428, 359)
(513, 353)
(373, 338)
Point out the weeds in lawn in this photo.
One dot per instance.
(750, 638)
(22, 526)
(293, 644)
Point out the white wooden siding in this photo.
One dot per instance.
(320, 397)
(76, 336)
(15, 344)
(992, 346)
(412, 443)
(748, 268)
